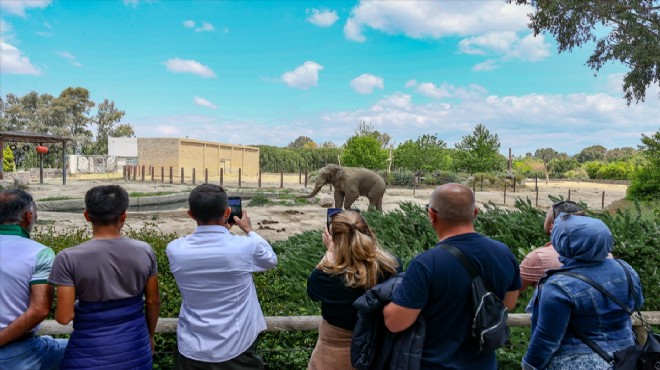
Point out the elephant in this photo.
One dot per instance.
(350, 183)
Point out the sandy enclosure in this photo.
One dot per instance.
(278, 222)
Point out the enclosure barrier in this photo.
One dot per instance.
(304, 323)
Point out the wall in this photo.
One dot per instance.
(123, 146)
(159, 152)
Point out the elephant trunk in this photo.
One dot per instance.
(316, 190)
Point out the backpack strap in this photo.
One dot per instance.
(467, 264)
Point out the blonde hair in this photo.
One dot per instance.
(357, 255)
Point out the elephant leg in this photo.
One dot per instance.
(339, 199)
(349, 200)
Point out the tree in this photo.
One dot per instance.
(300, 142)
(592, 153)
(74, 104)
(621, 154)
(8, 164)
(106, 118)
(364, 151)
(123, 130)
(645, 181)
(479, 152)
(328, 144)
(367, 129)
(427, 153)
(624, 31)
(546, 155)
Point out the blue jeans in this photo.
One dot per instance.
(41, 352)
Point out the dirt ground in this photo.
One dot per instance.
(278, 222)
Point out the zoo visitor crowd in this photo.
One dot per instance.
(375, 316)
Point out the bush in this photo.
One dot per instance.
(405, 178)
(443, 177)
(491, 180)
(592, 168)
(8, 164)
(259, 200)
(577, 174)
(644, 184)
(615, 171)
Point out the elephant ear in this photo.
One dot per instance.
(338, 174)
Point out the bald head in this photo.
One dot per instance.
(454, 204)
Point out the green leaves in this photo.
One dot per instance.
(364, 151)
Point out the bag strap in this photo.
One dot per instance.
(595, 347)
(600, 288)
(467, 264)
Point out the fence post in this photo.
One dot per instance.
(124, 173)
(222, 176)
(162, 174)
(474, 186)
(182, 175)
(171, 175)
(482, 183)
(504, 191)
(305, 178)
(240, 172)
(514, 184)
(536, 187)
(193, 179)
(602, 203)
(142, 174)
(259, 181)
(206, 175)
(569, 195)
(135, 168)
(281, 179)
(152, 173)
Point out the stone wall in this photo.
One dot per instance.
(159, 152)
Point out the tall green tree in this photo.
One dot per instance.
(300, 142)
(8, 164)
(367, 129)
(106, 117)
(122, 130)
(622, 31)
(364, 151)
(591, 153)
(73, 104)
(479, 152)
(427, 153)
(645, 181)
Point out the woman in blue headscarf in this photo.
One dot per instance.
(565, 304)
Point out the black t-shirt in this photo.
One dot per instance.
(335, 297)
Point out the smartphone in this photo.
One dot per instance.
(236, 208)
(332, 212)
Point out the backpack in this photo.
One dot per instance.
(489, 319)
(635, 357)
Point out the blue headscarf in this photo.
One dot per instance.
(581, 238)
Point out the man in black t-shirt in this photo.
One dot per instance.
(437, 286)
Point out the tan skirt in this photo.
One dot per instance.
(333, 349)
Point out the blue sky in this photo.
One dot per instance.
(266, 72)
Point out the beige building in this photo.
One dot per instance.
(197, 154)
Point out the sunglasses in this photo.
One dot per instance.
(337, 211)
(554, 207)
(431, 208)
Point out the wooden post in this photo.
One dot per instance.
(135, 168)
(171, 175)
(41, 168)
(124, 173)
(193, 179)
(151, 169)
(474, 185)
(602, 202)
(206, 175)
(504, 191)
(222, 176)
(482, 183)
(569, 194)
(63, 162)
(142, 173)
(281, 179)
(240, 170)
(536, 187)
(305, 178)
(162, 174)
(182, 175)
(514, 184)
(259, 181)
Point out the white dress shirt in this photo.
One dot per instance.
(220, 315)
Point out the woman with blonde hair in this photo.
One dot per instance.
(352, 264)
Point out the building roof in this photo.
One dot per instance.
(31, 137)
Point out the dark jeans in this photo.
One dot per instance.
(248, 360)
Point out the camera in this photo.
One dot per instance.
(236, 208)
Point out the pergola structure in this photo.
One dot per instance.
(33, 137)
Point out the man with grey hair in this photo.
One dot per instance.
(437, 286)
(25, 295)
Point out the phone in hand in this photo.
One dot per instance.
(332, 212)
(236, 208)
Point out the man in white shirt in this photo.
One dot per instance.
(220, 316)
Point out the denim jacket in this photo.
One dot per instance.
(563, 299)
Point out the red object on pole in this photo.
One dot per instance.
(42, 149)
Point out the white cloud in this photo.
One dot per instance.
(304, 76)
(322, 17)
(488, 65)
(70, 57)
(531, 48)
(204, 103)
(508, 45)
(168, 130)
(5, 27)
(366, 83)
(434, 19)
(12, 61)
(205, 27)
(410, 83)
(178, 65)
(430, 90)
(18, 7)
(189, 23)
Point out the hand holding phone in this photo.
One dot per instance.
(236, 209)
(331, 213)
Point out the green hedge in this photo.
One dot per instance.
(275, 159)
(406, 232)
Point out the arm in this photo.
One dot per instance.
(264, 256)
(398, 318)
(41, 298)
(554, 313)
(66, 297)
(510, 299)
(152, 301)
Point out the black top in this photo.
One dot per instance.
(336, 298)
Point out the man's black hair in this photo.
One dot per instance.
(13, 205)
(207, 203)
(566, 206)
(105, 204)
